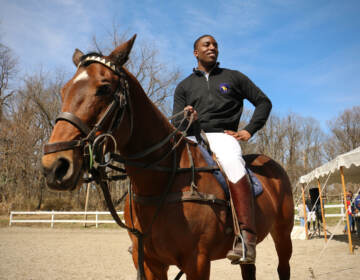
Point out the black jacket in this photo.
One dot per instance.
(219, 100)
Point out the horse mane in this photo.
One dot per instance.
(141, 90)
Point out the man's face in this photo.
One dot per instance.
(206, 51)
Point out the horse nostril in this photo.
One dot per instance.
(62, 168)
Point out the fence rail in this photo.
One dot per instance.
(342, 210)
(53, 214)
(98, 221)
(341, 214)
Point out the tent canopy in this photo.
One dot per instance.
(350, 162)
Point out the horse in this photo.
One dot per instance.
(186, 233)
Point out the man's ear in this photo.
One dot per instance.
(120, 55)
(76, 57)
(196, 53)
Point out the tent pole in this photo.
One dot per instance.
(305, 214)
(322, 210)
(346, 209)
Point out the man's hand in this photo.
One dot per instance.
(188, 111)
(242, 135)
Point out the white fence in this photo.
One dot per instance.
(52, 215)
(342, 210)
(341, 214)
(97, 221)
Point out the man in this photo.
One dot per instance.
(357, 213)
(349, 197)
(301, 213)
(311, 215)
(215, 97)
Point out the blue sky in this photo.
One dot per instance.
(305, 55)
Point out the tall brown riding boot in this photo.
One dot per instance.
(243, 200)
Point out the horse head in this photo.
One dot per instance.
(93, 102)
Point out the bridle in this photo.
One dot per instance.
(114, 112)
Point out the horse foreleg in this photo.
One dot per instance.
(248, 271)
(197, 267)
(154, 270)
(283, 245)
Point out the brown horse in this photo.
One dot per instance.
(188, 234)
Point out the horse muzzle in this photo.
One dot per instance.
(60, 173)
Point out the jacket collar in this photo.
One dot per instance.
(202, 73)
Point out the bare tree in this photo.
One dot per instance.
(33, 108)
(8, 71)
(293, 141)
(156, 78)
(311, 144)
(271, 139)
(344, 133)
(42, 94)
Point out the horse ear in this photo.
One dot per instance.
(120, 55)
(76, 56)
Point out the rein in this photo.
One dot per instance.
(97, 167)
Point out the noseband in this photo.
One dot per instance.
(116, 109)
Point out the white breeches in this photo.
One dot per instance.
(228, 153)
(311, 217)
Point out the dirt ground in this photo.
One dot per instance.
(42, 253)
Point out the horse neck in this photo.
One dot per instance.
(150, 127)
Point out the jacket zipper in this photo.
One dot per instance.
(207, 81)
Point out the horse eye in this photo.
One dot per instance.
(103, 90)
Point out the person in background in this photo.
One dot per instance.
(357, 213)
(349, 197)
(301, 213)
(311, 215)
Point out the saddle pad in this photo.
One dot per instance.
(255, 183)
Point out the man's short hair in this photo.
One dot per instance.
(198, 39)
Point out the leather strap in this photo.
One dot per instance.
(69, 117)
(120, 159)
(187, 196)
(62, 146)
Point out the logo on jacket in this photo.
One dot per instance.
(224, 88)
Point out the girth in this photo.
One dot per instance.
(187, 196)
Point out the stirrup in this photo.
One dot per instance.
(240, 258)
(243, 257)
(233, 255)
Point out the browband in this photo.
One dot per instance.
(99, 59)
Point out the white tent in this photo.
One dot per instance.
(351, 167)
(344, 168)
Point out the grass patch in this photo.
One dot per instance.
(4, 221)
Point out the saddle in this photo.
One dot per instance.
(204, 147)
(193, 194)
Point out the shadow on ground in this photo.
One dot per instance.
(344, 238)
